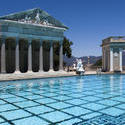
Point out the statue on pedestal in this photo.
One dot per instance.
(79, 68)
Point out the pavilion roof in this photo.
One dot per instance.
(30, 15)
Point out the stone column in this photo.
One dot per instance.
(51, 56)
(120, 59)
(41, 57)
(30, 55)
(108, 52)
(111, 59)
(17, 70)
(61, 56)
(104, 59)
(3, 55)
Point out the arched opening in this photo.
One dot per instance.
(23, 55)
(56, 56)
(46, 56)
(10, 55)
(35, 55)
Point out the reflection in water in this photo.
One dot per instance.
(116, 85)
(112, 83)
(104, 83)
(41, 84)
(18, 87)
(4, 89)
(51, 83)
(60, 86)
(60, 81)
(80, 84)
(30, 85)
(120, 84)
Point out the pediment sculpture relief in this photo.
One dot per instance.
(36, 20)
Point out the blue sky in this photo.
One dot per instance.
(89, 21)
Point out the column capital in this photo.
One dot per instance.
(111, 48)
(41, 41)
(29, 40)
(3, 38)
(61, 42)
(120, 49)
(17, 40)
(51, 42)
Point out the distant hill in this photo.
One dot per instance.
(92, 60)
(69, 61)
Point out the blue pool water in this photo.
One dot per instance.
(85, 100)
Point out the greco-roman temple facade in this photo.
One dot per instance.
(28, 40)
(112, 49)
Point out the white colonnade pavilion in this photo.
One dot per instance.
(27, 41)
(112, 49)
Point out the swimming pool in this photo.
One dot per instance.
(82, 100)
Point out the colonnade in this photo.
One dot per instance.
(17, 57)
(112, 59)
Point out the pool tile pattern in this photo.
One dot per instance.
(77, 111)
(82, 100)
(55, 116)
(16, 114)
(30, 121)
(104, 120)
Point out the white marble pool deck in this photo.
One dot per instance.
(32, 75)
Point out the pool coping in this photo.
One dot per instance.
(44, 75)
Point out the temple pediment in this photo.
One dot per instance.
(34, 16)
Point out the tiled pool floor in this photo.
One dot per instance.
(86, 100)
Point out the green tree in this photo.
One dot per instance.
(98, 63)
(67, 50)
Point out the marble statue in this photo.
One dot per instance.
(74, 66)
(79, 68)
(37, 18)
(27, 19)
